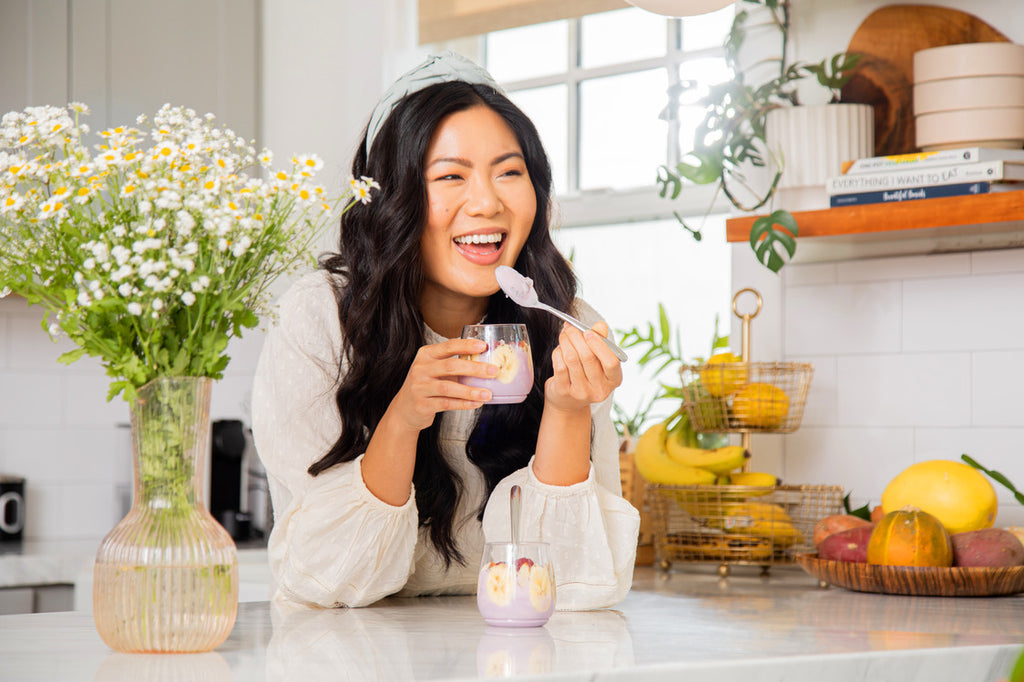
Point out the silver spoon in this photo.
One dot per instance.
(515, 502)
(520, 289)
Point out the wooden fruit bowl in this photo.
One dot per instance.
(916, 581)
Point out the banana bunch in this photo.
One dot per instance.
(761, 519)
(654, 464)
(669, 453)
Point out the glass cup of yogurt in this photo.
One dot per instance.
(508, 347)
(516, 588)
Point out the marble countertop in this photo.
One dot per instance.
(69, 562)
(689, 624)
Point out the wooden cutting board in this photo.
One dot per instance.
(887, 40)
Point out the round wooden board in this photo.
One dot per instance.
(887, 40)
(916, 581)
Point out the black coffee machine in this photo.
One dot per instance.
(227, 479)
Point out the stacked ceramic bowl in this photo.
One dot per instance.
(969, 94)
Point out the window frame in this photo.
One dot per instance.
(609, 206)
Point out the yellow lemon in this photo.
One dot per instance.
(958, 495)
(723, 374)
(762, 405)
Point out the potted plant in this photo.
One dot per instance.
(732, 145)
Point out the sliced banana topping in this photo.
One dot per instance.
(507, 360)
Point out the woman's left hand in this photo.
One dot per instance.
(586, 371)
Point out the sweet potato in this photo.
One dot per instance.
(834, 524)
(847, 545)
(987, 547)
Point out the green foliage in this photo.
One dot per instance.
(997, 477)
(731, 137)
(152, 258)
(860, 512)
(660, 342)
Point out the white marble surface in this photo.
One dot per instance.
(29, 563)
(688, 625)
(54, 562)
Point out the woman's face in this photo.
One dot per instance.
(480, 205)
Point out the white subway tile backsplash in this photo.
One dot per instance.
(245, 352)
(900, 268)
(86, 401)
(1010, 515)
(905, 390)
(30, 398)
(995, 448)
(801, 274)
(31, 347)
(231, 398)
(4, 342)
(997, 261)
(997, 399)
(100, 455)
(88, 510)
(822, 406)
(963, 313)
(861, 460)
(43, 515)
(842, 318)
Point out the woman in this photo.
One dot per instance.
(386, 473)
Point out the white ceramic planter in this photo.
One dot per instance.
(813, 142)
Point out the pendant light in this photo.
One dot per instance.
(680, 8)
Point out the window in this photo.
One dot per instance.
(596, 88)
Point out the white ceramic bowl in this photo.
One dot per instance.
(968, 59)
(979, 92)
(1002, 128)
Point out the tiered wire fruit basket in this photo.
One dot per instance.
(740, 524)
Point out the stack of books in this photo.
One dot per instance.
(926, 175)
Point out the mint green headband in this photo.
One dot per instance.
(440, 68)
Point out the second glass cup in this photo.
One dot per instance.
(508, 347)
(517, 584)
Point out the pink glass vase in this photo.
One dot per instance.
(166, 576)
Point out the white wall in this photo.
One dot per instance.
(915, 357)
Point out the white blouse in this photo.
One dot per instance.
(335, 544)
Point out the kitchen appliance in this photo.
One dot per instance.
(12, 508)
(232, 477)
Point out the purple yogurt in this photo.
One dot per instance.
(508, 347)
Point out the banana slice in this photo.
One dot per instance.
(499, 583)
(507, 360)
(540, 588)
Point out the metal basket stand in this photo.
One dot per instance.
(733, 524)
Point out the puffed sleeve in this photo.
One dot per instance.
(334, 543)
(592, 530)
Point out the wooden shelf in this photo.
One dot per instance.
(997, 210)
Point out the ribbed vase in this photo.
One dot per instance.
(166, 576)
(813, 141)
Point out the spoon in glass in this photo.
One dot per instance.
(515, 502)
(520, 289)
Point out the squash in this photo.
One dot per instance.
(910, 537)
(957, 494)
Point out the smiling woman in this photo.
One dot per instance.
(387, 473)
(480, 209)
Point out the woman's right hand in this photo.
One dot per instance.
(431, 384)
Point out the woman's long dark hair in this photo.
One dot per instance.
(379, 264)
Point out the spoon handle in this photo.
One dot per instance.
(515, 502)
(619, 353)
